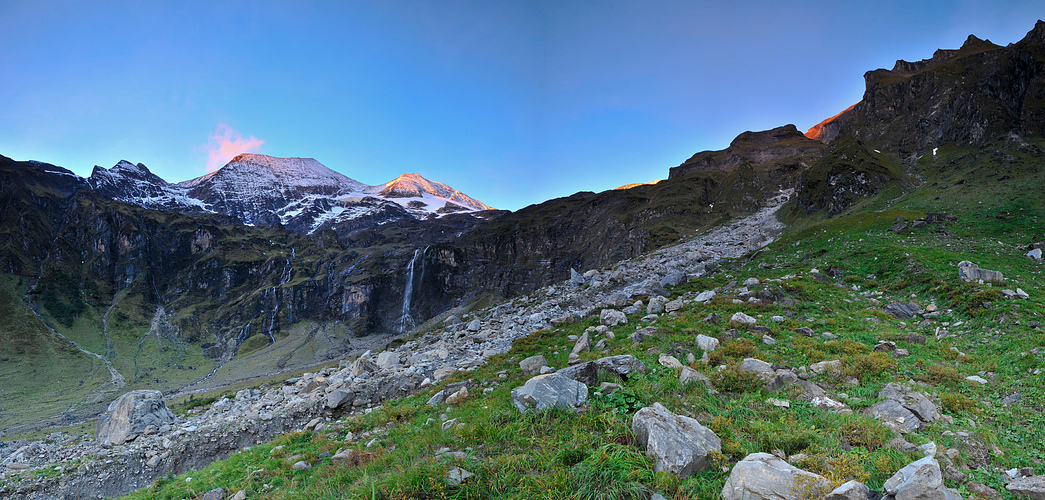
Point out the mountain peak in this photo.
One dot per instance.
(411, 185)
(1035, 35)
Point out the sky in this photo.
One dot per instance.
(511, 102)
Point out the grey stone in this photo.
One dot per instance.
(576, 279)
(673, 306)
(895, 416)
(673, 279)
(337, 398)
(451, 321)
(127, 417)
(705, 296)
(588, 373)
(762, 476)
(215, 494)
(920, 480)
(678, 444)
(301, 465)
(583, 344)
(740, 318)
(903, 310)
(1032, 487)
(757, 366)
(852, 490)
(643, 334)
(618, 300)
(475, 325)
(656, 305)
(967, 271)
(805, 330)
(1035, 254)
(691, 376)
(388, 360)
(669, 361)
(706, 343)
(612, 317)
(532, 365)
(457, 475)
(549, 391)
(240, 495)
(365, 364)
(781, 379)
(833, 366)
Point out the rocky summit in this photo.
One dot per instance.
(855, 312)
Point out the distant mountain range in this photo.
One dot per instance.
(300, 193)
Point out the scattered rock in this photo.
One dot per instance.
(673, 279)
(757, 366)
(705, 296)
(215, 494)
(678, 444)
(903, 310)
(457, 476)
(851, 490)
(588, 373)
(1035, 254)
(301, 465)
(706, 343)
(919, 480)
(673, 306)
(691, 376)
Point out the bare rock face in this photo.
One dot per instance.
(129, 415)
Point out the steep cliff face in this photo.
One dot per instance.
(966, 96)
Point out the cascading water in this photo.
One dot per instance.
(405, 319)
(284, 278)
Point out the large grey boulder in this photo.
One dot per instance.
(678, 444)
(968, 271)
(588, 373)
(1032, 487)
(549, 391)
(365, 364)
(706, 343)
(903, 310)
(920, 480)
(761, 476)
(388, 360)
(129, 415)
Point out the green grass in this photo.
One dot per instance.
(592, 453)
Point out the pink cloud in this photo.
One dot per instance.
(225, 143)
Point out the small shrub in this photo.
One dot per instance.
(733, 379)
(847, 346)
(956, 402)
(866, 432)
(739, 348)
(621, 402)
(862, 366)
(937, 374)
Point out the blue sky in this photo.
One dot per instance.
(511, 102)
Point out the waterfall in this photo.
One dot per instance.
(284, 278)
(405, 318)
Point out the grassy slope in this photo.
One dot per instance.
(560, 454)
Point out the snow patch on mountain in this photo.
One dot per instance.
(300, 193)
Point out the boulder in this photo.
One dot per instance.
(388, 360)
(967, 271)
(669, 361)
(532, 365)
(618, 300)
(1035, 254)
(691, 376)
(576, 279)
(612, 317)
(706, 343)
(475, 325)
(588, 373)
(673, 306)
(1032, 487)
(833, 367)
(678, 444)
(656, 305)
(761, 476)
(903, 310)
(852, 490)
(740, 318)
(673, 279)
(549, 391)
(705, 296)
(127, 417)
(757, 366)
(583, 344)
(805, 330)
(335, 399)
(917, 481)
(215, 494)
(894, 416)
(365, 364)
